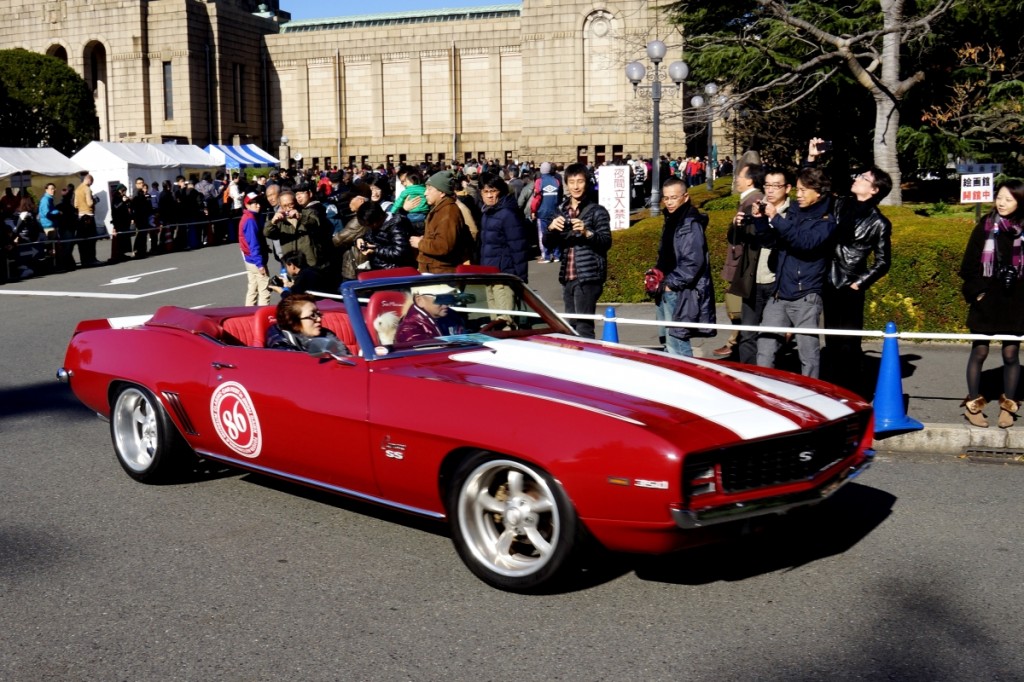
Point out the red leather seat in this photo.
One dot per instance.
(476, 269)
(240, 328)
(393, 272)
(381, 302)
(262, 319)
(337, 321)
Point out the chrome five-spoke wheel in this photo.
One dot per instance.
(512, 524)
(145, 441)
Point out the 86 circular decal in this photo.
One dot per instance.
(234, 418)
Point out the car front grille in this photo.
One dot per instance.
(774, 461)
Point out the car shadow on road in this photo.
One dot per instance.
(788, 542)
(44, 396)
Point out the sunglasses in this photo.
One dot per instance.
(315, 315)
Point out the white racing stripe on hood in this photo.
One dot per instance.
(634, 378)
(830, 408)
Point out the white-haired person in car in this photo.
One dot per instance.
(430, 316)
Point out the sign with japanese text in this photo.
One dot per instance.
(976, 168)
(976, 188)
(613, 193)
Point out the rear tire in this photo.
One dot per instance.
(512, 524)
(147, 444)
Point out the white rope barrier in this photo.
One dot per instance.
(864, 333)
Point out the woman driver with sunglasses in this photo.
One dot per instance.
(299, 327)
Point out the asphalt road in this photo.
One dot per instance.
(911, 573)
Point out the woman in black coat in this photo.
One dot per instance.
(991, 270)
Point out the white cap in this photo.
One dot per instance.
(434, 289)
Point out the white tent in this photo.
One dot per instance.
(43, 161)
(34, 168)
(114, 163)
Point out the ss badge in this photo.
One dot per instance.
(392, 450)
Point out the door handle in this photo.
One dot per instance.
(222, 365)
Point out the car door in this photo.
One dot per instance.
(292, 413)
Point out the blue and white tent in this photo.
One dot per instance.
(240, 156)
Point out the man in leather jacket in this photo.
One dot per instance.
(430, 316)
(862, 256)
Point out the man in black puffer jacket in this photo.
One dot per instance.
(582, 232)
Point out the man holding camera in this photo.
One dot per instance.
(755, 279)
(804, 241)
(863, 254)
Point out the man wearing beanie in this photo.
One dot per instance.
(446, 240)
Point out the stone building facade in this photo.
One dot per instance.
(543, 79)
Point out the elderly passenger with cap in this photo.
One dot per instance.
(446, 240)
(430, 315)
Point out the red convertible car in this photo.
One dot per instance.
(526, 438)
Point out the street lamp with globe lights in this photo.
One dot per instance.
(636, 72)
(697, 101)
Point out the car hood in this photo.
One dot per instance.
(650, 387)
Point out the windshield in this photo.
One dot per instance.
(439, 311)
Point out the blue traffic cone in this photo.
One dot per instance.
(610, 331)
(889, 412)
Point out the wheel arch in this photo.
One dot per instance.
(451, 462)
(117, 385)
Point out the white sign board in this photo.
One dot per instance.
(976, 188)
(613, 194)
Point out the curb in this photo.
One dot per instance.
(951, 439)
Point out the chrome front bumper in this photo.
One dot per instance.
(688, 519)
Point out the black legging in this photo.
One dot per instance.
(1011, 368)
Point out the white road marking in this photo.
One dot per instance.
(132, 279)
(126, 297)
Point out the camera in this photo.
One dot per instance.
(277, 281)
(824, 146)
(1007, 276)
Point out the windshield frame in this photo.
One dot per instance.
(356, 293)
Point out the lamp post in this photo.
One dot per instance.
(636, 72)
(711, 90)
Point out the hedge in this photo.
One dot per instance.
(921, 292)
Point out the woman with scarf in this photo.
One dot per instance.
(991, 270)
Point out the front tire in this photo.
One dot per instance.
(512, 524)
(147, 445)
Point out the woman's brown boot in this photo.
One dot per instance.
(972, 410)
(1007, 412)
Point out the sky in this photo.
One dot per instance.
(317, 9)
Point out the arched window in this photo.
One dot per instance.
(601, 62)
(94, 57)
(59, 52)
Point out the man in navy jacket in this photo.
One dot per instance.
(803, 239)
